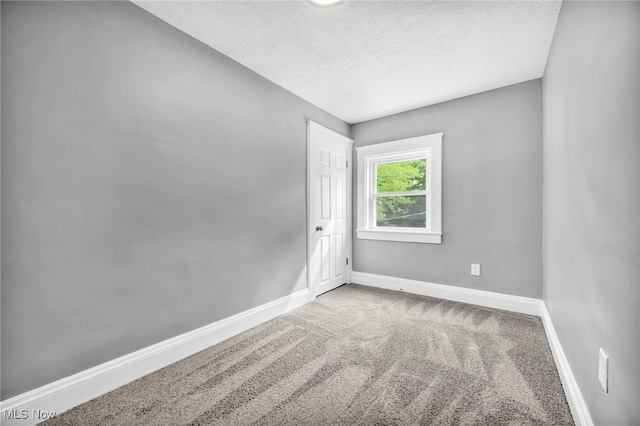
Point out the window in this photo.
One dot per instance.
(400, 190)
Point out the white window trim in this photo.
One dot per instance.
(429, 146)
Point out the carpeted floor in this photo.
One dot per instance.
(355, 356)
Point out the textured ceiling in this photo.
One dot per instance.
(367, 59)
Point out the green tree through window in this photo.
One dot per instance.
(401, 210)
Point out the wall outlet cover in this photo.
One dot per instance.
(603, 370)
(475, 269)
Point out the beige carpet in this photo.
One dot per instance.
(355, 356)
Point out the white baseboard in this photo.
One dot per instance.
(578, 406)
(71, 391)
(525, 305)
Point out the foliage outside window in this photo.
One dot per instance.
(401, 199)
(399, 190)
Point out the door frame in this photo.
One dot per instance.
(347, 142)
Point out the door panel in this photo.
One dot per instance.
(325, 267)
(338, 250)
(340, 191)
(325, 197)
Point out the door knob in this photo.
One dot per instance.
(319, 228)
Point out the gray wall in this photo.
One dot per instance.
(150, 186)
(591, 195)
(492, 193)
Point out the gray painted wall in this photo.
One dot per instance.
(591, 194)
(150, 186)
(492, 193)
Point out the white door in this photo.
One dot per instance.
(329, 212)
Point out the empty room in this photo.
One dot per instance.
(319, 212)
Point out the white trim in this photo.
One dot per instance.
(350, 171)
(71, 391)
(400, 235)
(525, 305)
(312, 295)
(428, 147)
(576, 402)
(415, 144)
(336, 138)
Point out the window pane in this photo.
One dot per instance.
(404, 212)
(401, 176)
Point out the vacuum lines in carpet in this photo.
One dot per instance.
(355, 356)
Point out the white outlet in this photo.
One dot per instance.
(603, 371)
(475, 269)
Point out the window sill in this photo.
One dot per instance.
(400, 235)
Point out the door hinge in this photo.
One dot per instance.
(347, 164)
(347, 260)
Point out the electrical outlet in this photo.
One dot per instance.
(475, 269)
(603, 371)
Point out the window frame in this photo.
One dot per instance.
(428, 147)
